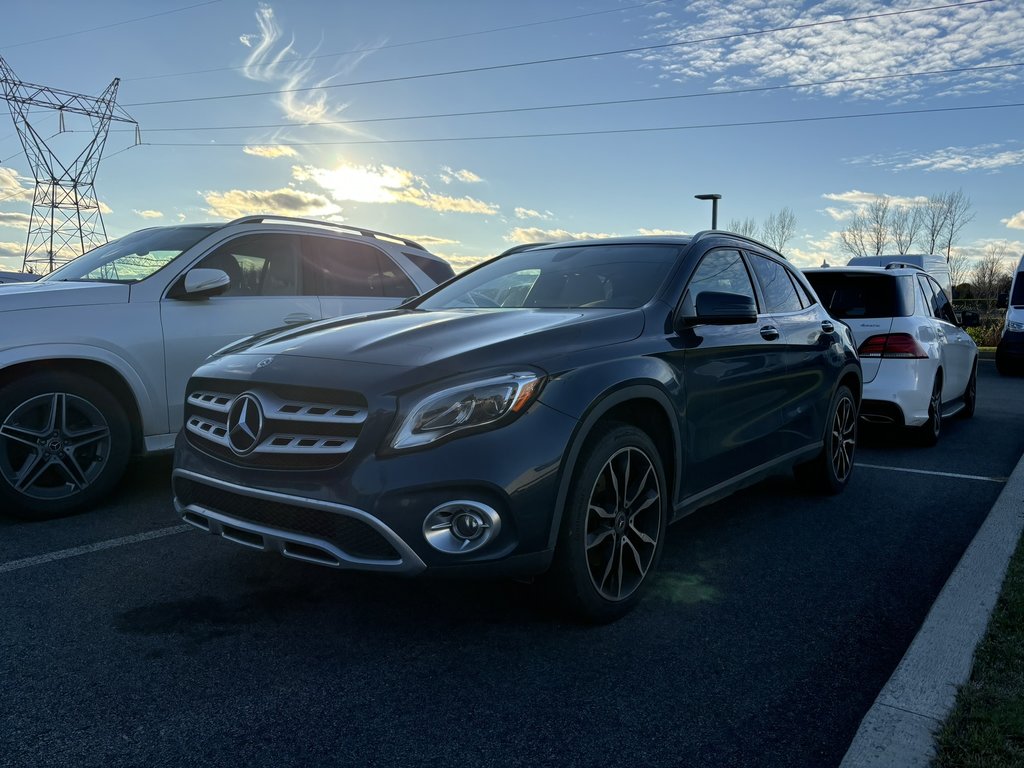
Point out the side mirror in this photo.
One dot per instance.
(720, 308)
(201, 283)
(1003, 301)
(970, 320)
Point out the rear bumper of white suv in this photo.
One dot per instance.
(899, 394)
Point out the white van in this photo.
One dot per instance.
(1010, 351)
(933, 264)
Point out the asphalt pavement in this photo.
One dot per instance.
(776, 619)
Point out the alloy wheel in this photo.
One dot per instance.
(844, 438)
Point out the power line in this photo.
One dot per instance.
(109, 26)
(559, 59)
(608, 102)
(602, 132)
(409, 43)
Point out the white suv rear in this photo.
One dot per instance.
(919, 365)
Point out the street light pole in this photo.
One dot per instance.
(714, 207)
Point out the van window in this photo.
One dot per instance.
(1017, 299)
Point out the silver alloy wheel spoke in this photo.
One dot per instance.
(595, 539)
(29, 437)
(31, 470)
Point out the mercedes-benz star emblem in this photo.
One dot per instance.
(245, 424)
(264, 362)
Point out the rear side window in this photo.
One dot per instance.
(776, 285)
(849, 295)
(338, 267)
(435, 269)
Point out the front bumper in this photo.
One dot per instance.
(368, 512)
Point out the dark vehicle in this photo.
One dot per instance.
(548, 412)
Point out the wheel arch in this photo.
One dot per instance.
(99, 371)
(645, 406)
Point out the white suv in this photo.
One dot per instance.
(919, 365)
(94, 357)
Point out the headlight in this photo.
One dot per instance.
(1014, 325)
(467, 406)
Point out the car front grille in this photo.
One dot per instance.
(301, 428)
(354, 537)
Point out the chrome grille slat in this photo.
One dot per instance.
(210, 430)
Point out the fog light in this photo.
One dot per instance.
(460, 526)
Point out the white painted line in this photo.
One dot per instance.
(63, 554)
(937, 474)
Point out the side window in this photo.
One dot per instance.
(721, 270)
(438, 271)
(776, 285)
(258, 265)
(336, 267)
(943, 309)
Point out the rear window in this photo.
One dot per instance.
(435, 269)
(851, 296)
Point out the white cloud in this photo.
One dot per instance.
(270, 152)
(449, 175)
(1016, 221)
(931, 40)
(662, 232)
(985, 157)
(148, 214)
(857, 201)
(14, 187)
(271, 61)
(245, 202)
(431, 241)
(530, 213)
(14, 220)
(386, 184)
(538, 234)
(12, 256)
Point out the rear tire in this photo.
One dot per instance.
(929, 432)
(971, 393)
(613, 526)
(829, 472)
(64, 444)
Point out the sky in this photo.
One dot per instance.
(473, 125)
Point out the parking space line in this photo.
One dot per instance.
(63, 554)
(955, 475)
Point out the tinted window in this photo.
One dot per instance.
(435, 269)
(778, 290)
(941, 308)
(343, 268)
(1017, 299)
(721, 271)
(258, 265)
(851, 295)
(621, 276)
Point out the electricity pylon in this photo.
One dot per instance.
(66, 220)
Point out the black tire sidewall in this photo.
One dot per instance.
(570, 572)
(16, 392)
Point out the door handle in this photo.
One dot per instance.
(827, 326)
(769, 333)
(297, 317)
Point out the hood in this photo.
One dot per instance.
(56, 293)
(462, 339)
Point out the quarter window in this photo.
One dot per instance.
(776, 285)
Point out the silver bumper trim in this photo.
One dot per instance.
(297, 546)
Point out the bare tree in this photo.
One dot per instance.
(878, 224)
(934, 213)
(958, 216)
(779, 229)
(747, 227)
(905, 225)
(990, 271)
(959, 268)
(854, 239)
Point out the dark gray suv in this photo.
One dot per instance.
(548, 412)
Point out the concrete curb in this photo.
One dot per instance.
(899, 729)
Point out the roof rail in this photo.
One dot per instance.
(904, 265)
(709, 232)
(259, 219)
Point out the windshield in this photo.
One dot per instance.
(1017, 299)
(614, 276)
(133, 257)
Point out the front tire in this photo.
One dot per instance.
(64, 444)
(613, 526)
(829, 472)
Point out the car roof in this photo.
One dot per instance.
(863, 271)
(635, 240)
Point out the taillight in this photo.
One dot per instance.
(892, 345)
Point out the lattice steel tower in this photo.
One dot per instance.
(66, 219)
